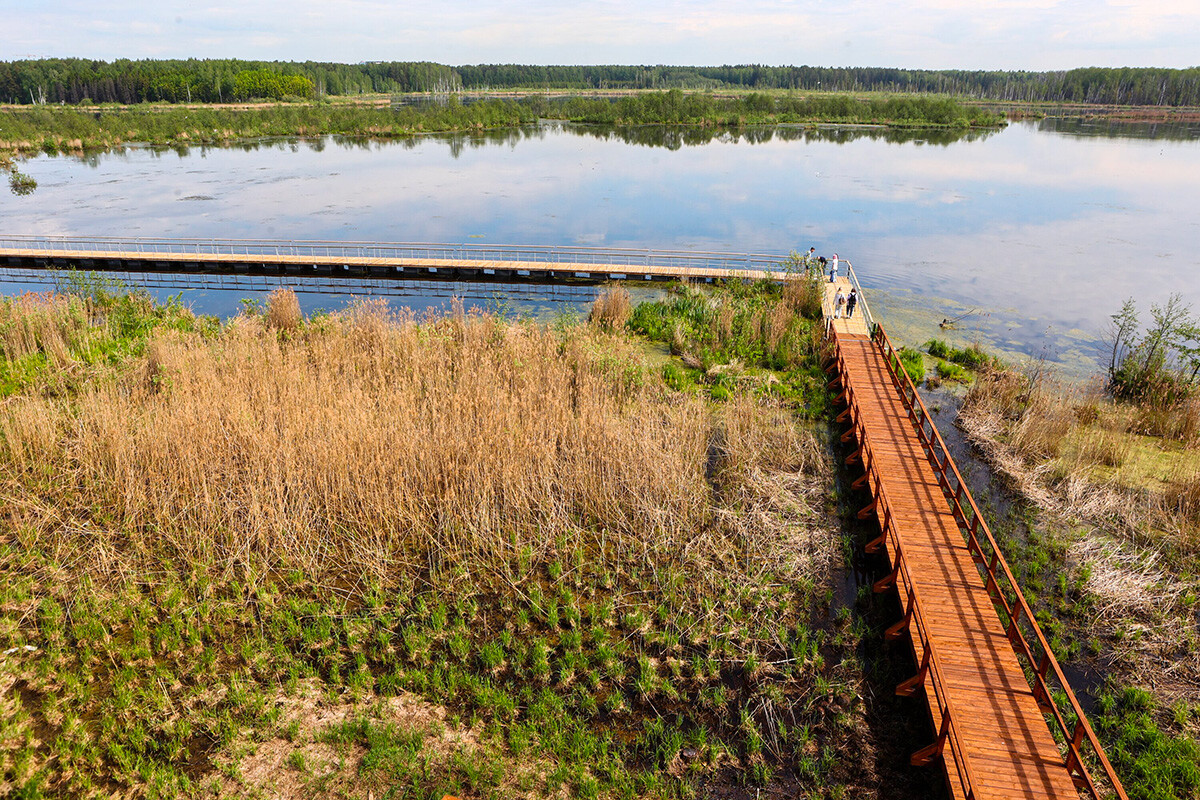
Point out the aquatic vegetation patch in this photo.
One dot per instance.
(764, 335)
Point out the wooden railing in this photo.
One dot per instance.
(914, 620)
(1022, 628)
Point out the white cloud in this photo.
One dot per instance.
(1025, 34)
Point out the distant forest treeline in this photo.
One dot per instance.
(223, 80)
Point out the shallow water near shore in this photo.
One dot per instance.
(1028, 238)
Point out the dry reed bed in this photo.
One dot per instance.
(371, 444)
(484, 512)
(1137, 543)
(43, 323)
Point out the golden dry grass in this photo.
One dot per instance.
(372, 444)
(283, 310)
(804, 294)
(611, 309)
(1081, 455)
(42, 322)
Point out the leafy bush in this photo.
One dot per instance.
(1162, 366)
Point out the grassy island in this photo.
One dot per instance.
(49, 129)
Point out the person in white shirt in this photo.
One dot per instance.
(839, 302)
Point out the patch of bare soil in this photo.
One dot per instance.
(306, 758)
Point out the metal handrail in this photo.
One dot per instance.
(564, 254)
(862, 298)
(972, 525)
(930, 662)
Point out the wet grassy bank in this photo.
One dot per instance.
(472, 554)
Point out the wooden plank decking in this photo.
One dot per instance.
(1005, 737)
(998, 728)
(856, 324)
(430, 265)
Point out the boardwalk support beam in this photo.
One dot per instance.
(908, 687)
(889, 580)
(927, 755)
(897, 630)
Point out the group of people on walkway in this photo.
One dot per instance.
(843, 304)
(811, 260)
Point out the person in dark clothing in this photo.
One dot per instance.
(851, 302)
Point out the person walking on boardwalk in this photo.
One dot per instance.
(839, 302)
(851, 302)
(833, 268)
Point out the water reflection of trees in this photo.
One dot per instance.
(1176, 131)
(671, 137)
(674, 137)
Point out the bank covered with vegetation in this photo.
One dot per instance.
(1106, 538)
(463, 553)
(62, 129)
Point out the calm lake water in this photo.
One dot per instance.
(1036, 232)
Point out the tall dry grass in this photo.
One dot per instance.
(804, 294)
(43, 322)
(283, 310)
(1051, 438)
(379, 445)
(611, 309)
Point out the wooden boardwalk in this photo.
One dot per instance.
(990, 720)
(290, 263)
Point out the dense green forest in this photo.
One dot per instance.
(125, 81)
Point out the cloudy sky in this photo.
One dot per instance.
(932, 34)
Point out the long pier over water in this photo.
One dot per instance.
(383, 260)
(988, 676)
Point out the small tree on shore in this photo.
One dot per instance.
(1163, 365)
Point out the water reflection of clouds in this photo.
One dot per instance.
(1059, 228)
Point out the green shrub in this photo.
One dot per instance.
(937, 348)
(913, 363)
